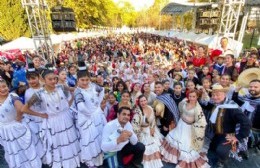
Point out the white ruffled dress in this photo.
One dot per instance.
(142, 126)
(34, 122)
(90, 120)
(16, 138)
(177, 146)
(58, 133)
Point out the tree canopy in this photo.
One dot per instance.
(13, 22)
(90, 13)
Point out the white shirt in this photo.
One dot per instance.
(110, 135)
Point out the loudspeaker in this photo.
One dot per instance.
(63, 19)
(56, 16)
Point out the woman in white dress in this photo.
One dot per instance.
(34, 122)
(58, 132)
(15, 137)
(184, 144)
(90, 119)
(135, 92)
(144, 126)
(150, 96)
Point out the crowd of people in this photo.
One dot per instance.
(130, 100)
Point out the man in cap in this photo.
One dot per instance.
(223, 115)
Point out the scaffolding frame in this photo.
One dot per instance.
(37, 11)
(230, 17)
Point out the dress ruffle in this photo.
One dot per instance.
(176, 148)
(99, 120)
(19, 147)
(61, 141)
(34, 123)
(152, 155)
(90, 141)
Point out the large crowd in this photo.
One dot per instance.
(130, 100)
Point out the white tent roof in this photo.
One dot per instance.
(22, 43)
(212, 41)
(55, 39)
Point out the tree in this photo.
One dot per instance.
(126, 14)
(13, 22)
(92, 12)
(151, 17)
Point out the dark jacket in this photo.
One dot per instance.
(253, 116)
(227, 121)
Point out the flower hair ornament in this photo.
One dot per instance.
(137, 102)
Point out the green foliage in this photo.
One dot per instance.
(13, 22)
(152, 18)
(92, 12)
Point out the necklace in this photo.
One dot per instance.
(176, 97)
(54, 97)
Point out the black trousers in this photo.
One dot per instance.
(221, 150)
(137, 150)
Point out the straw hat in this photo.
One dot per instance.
(247, 76)
(253, 49)
(178, 73)
(218, 88)
(221, 56)
(229, 52)
(159, 108)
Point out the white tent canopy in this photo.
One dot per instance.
(212, 41)
(22, 43)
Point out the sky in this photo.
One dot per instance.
(139, 4)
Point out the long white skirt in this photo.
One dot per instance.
(90, 141)
(34, 123)
(61, 141)
(99, 119)
(176, 148)
(20, 151)
(152, 156)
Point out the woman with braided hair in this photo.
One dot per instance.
(184, 144)
(144, 126)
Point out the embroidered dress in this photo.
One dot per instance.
(90, 121)
(58, 132)
(16, 138)
(183, 145)
(95, 96)
(142, 126)
(34, 122)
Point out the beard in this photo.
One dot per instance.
(254, 93)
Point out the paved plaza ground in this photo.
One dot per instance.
(252, 162)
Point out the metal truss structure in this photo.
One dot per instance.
(37, 11)
(230, 17)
